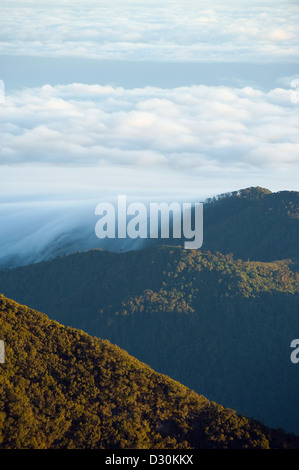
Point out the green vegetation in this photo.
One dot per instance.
(219, 325)
(216, 321)
(253, 223)
(61, 388)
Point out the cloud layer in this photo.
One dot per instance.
(141, 30)
(65, 148)
(190, 129)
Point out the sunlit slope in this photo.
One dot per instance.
(219, 325)
(61, 388)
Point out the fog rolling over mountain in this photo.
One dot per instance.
(181, 101)
(251, 223)
(219, 322)
(33, 232)
(63, 389)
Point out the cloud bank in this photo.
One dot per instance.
(33, 232)
(159, 31)
(189, 129)
(65, 148)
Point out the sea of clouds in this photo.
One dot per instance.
(155, 30)
(66, 147)
(197, 128)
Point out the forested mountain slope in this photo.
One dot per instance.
(61, 388)
(253, 223)
(219, 325)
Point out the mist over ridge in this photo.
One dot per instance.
(251, 223)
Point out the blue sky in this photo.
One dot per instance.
(171, 99)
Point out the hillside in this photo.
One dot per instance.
(61, 388)
(220, 325)
(254, 224)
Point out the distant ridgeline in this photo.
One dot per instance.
(61, 388)
(253, 224)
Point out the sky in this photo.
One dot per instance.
(154, 99)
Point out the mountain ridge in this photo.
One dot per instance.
(62, 388)
(252, 223)
(221, 326)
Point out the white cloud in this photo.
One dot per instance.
(280, 34)
(180, 30)
(79, 142)
(196, 128)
